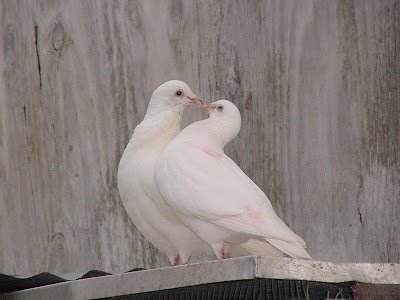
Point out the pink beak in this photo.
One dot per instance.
(195, 100)
(206, 107)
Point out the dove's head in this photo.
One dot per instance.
(172, 95)
(225, 120)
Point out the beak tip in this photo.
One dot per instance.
(204, 107)
(195, 100)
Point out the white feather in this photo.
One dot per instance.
(212, 195)
(138, 191)
(139, 194)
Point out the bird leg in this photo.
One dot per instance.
(174, 260)
(219, 251)
(226, 249)
(186, 260)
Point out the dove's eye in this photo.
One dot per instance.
(179, 93)
(220, 107)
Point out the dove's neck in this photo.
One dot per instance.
(158, 128)
(213, 133)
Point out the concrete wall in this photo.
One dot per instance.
(317, 83)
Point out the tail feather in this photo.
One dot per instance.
(292, 249)
(257, 247)
(302, 242)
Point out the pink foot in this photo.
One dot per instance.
(219, 250)
(176, 262)
(224, 255)
(187, 262)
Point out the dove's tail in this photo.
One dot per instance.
(257, 247)
(292, 249)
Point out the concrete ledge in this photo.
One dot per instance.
(250, 267)
(290, 268)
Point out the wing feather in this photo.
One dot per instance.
(220, 192)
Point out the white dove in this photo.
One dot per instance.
(139, 194)
(212, 195)
(138, 191)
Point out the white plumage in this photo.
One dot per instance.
(212, 195)
(139, 194)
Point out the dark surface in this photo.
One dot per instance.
(269, 289)
(362, 291)
(240, 289)
(94, 273)
(11, 284)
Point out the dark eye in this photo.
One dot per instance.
(220, 107)
(178, 93)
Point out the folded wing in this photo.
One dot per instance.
(221, 193)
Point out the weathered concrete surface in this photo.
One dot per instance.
(243, 268)
(317, 83)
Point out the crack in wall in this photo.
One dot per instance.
(25, 114)
(360, 215)
(37, 56)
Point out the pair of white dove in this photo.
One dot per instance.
(186, 196)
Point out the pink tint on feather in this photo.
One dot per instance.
(208, 152)
(216, 155)
(194, 229)
(253, 215)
